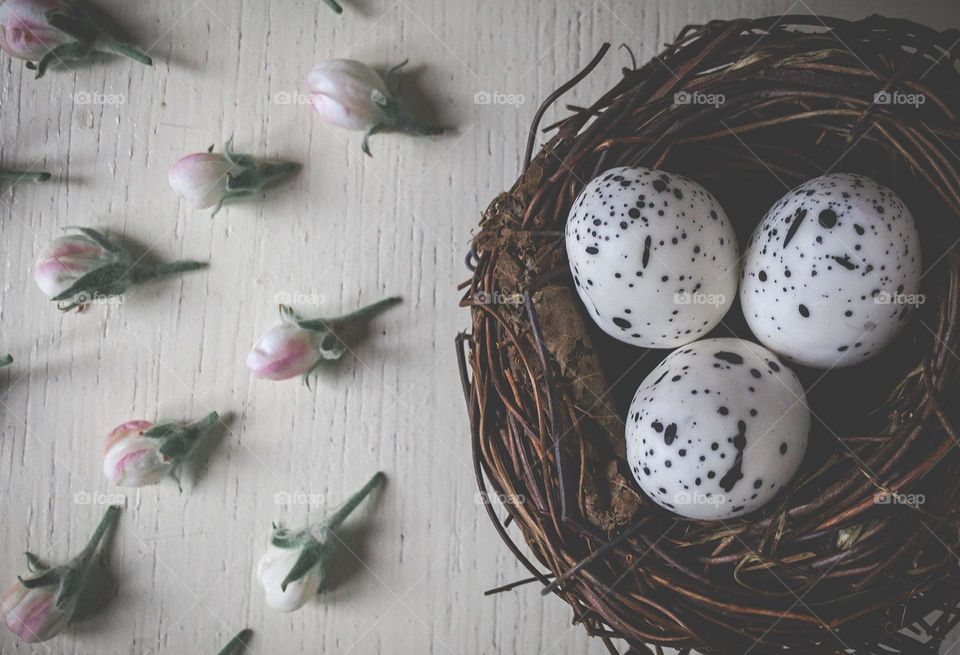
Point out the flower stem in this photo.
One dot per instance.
(273, 172)
(363, 314)
(240, 640)
(127, 51)
(413, 128)
(6, 360)
(338, 517)
(333, 4)
(109, 519)
(147, 273)
(18, 176)
(206, 424)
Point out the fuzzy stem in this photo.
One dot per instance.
(18, 176)
(109, 519)
(273, 172)
(413, 128)
(362, 315)
(147, 273)
(206, 424)
(334, 5)
(240, 640)
(338, 517)
(127, 51)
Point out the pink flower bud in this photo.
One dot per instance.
(40, 607)
(32, 614)
(201, 178)
(349, 94)
(49, 31)
(25, 32)
(284, 352)
(139, 453)
(272, 570)
(65, 260)
(133, 460)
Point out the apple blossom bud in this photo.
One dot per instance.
(209, 179)
(39, 608)
(32, 614)
(284, 352)
(139, 453)
(293, 568)
(78, 269)
(25, 32)
(351, 95)
(66, 260)
(44, 31)
(298, 346)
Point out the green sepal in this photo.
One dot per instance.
(254, 175)
(46, 579)
(311, 555)
(6, 360)
(93, 283)
(100, 239)
(62, 52)
(179, 439)
(88, 38)
(35, 564)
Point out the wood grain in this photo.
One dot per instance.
(347, 231)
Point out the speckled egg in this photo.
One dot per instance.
(654, 257)
(717, 429)
(831, 273)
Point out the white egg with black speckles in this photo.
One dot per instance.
(717, 429)
(832, 271)
(653, 255)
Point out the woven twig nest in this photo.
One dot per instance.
(825, 567)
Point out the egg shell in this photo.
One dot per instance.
(653, 255)
(832, 271)
(717, 429)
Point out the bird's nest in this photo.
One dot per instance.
(860, 553)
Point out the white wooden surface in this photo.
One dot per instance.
(349, 230)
